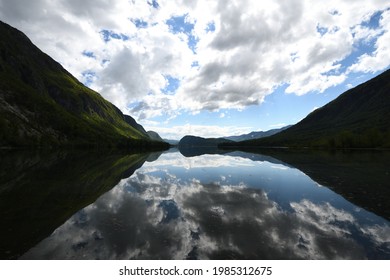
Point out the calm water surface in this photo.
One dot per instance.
(232, 206)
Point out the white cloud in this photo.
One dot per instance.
(380, 58)
(122, 74)
(256, 47)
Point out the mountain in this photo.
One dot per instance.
(132, 122)
(256, 134)
(358, 118)
(42, 104)
(190, 146)
(195, 141)
(154, 136)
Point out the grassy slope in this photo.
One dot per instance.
(359, 118)
(43, 104)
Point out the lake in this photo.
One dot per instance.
(273, 204)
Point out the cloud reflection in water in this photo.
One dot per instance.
(166, 216)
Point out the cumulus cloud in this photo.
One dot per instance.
(122, 74)
(206, 131)
(233, 54)
(380, 58)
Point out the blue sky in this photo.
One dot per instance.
(211, 68)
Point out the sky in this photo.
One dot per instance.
(211, 68)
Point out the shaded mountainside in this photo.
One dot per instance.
(43, 104)
(132, 122)
(358, 118)
(154, 136)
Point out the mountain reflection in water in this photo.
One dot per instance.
(39, 191)
(234, 206)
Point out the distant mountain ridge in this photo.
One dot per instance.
(256, 134)
(191, 145)
(172, 142)
(191, 140)
(42, 104)
(358, 118)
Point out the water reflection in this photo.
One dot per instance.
(362, 177)
(239, 206)
(39, 191)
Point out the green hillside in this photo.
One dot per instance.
(358, 118)
(41, 104)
